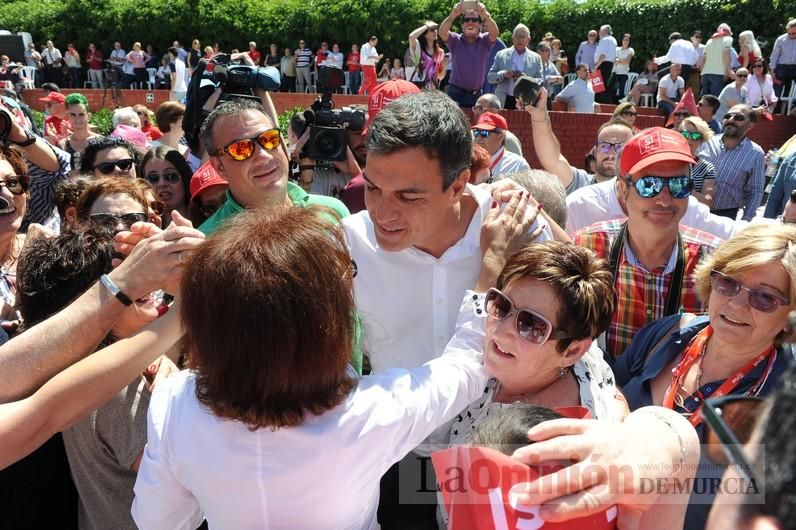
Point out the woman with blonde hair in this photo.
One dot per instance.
(138, 59)
(703, 173)
(750, 50)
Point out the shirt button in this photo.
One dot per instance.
(478, 311)
(649, 311)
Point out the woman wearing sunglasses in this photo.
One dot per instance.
(760, 88)
(703, 173)
(113, 202)
(14, 194)
(550, 302)
(749, 285)
(626, 112)
(169, 174)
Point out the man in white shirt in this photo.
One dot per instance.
(368, 58)
(118, 58)
(53, 62)
(416, 248)
(604, 57)
(681, 52)
(179, 87)
(670, 90)
(579, 94)
(490, 133)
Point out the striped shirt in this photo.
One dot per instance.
(42, 188)
(703, 170)
(784, 52)
(303, 58)
(640, 293)
(740, 174)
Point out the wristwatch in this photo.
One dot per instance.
(114, 290)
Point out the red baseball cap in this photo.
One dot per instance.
(54, 97)
(205, 177)
(385, 93)
(489, 121)
(651, 146)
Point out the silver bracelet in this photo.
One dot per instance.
(676, 433)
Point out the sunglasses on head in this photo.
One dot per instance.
(106, 168)
(472, 19)
(682, 114)
(759, 299)
(605, 147)
(650, 186)
(16, 184)
(630, 113)
(688, 135)
(735, 116)
(531, 326)
(731, 421)
(111, 220)
(171, 177)
(243, 149)
(481, 133)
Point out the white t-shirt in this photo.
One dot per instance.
(323, 473)
(598, 202)
(368, 55)
(671, 86)
(623, 53)
(179, 71)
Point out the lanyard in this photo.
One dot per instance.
(675, 286)
(693, 353)
(493, 164)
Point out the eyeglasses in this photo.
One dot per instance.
(759, 299)
(111, 220)
(731, 421)
(531, 326)
(742, 76)
(630, 113)
(243, 149)
(736, 116)
(481, 133)
(478, 108)
(650, 186)
(171, 177)
(605, 147)
(682, 114)
(472, 19)
(16, 184)
(695, 135)
(106, 168)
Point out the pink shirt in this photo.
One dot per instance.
(137, 59)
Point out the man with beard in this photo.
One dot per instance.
(740, 165)
(651, 255)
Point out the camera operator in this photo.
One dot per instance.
(47, 165)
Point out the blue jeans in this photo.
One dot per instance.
(712, 84)
(466, 99)
(667, 109)
(354, 82)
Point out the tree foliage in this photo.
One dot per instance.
(232, 23)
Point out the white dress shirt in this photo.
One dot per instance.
(368, 56)
(322, 474)
(598, 202)
(680, 51)
(607, 46)
(408, 300)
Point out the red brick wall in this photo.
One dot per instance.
(575, 132)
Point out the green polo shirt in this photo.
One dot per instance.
(302, 199)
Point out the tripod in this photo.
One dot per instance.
(111, 76)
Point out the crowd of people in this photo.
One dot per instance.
(204, 326)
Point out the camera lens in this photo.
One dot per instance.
(328, 144)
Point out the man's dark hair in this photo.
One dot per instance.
(711, 100)
(776, 458)
(231, 108)
(174, 51)
(675, 35)
(67, 192)
(96, 145)
(697, 34)
(506, 430)
(50, 87)
(430, 120)
(53, 272)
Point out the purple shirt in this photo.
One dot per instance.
(470, 60)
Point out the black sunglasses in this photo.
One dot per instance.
(112, 220)
(171, 177)
(630, 113)
(682, 114)
(106, 168)
(735, 116)
(731, 420)
(472, 19)
(16, 184)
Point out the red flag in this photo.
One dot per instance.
(687, 102)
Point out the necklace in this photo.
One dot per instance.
(525, 395)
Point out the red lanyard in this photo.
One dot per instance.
(692, 354)
(493, 164)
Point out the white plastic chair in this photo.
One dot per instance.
(27, 77)
(647, 100)
(632, 77)
(345, 88)
(568, 78)
(151, 78)
(787, 98)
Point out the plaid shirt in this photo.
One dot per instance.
(641, 294)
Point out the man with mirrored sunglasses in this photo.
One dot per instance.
(740, 165)
(652, 256)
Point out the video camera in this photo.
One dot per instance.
(236, 81)
(328, 126)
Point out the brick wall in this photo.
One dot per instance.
(575, 132)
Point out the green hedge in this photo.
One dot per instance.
(233, 22)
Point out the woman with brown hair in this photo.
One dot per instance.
(271, 398)
(169, 175)
(113, 202)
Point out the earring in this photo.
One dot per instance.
(563, 372)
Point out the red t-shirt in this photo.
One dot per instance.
(353, 62)
(94, 60)
(255, 56)
(321, 56)
(152, 132)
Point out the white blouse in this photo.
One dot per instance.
(760, 93)
(322, 474)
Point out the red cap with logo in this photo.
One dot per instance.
(651, 146)
(205, 177)
(383, 94)
(54, 97)
(489, 121)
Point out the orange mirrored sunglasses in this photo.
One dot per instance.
(244, 149)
